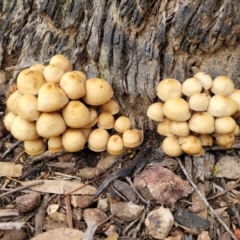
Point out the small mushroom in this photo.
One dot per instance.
(86, 132)
(53, 73)
(34, 147)
(171, 146)
(38, 67)
(55, 144)
(122, 124)
(199, 101)
(61, 61)
(176, 109)
(51, 98)
(131, 138)
(164, 129)
(222, 85)
(27, 107)
(115, 145)
(190, 145)
(50, 125)
(225, 140)
(202, 122)
(155, 112)
(24, 130)
(206, 139)
(73, 140)
(205, 79)
(236, 97)
(8, 120)
(224, 125)
(105, 120)
(12, 101)
(236, 131)
(98, 91)
(221, 106)
(169, 88)
(93, 118)
(180, 129)
(30, 81)
(97, 140)
(73, 85)
(81, 74)
(111, 106)
(76, 114)
(191, 86)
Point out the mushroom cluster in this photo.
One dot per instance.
(56, 107)
(197, 113)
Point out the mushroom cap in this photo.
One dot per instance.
(202, 122)
(76, 114)
(171, 146)
(93, 118)
(34, 147)
(122, 124)
(236, 131)
(222, 85)
(61, 61)
(55, 144)
(221, 106)
(224, 125)
(81, 74)
(30, 81)
(199, 101)
(155, 112)
(190, 144)
(50, 125)
(131, 138)
(53, 73)
(12, 101)
(86, 132)
(205, 79)
(97, 140)
(73, 85)
(191, 86)
(73, 140)
(27, 107)
(176, 109)
(111, 106)
(24, 130)
(206, 139)
(163, 128)
(180, 129)
(51, 98)
(98, 91)
(38, 67)
(115, 145)
(235, 96)
(225, 140)
(8, 120)
(105, 120)
(169, 88)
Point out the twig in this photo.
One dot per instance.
(205, 200)
(19, 155)
(21, 188)
(130, 182)
(66, 175)
(130, 225)
(69, 211)
(10, 149)
(91, 229)
(11, 225)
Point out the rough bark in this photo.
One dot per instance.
(131, 43)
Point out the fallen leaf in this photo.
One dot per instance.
(8, 169)
(61, 187)
(60, 234)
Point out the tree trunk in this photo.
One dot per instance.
(133, 44)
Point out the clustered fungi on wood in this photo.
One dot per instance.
(196, 113)
(57, 105)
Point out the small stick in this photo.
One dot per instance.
(66, 175)
(19, 155)
(130, 182)
(69, 211)
(21, 188)
(11, 225)
(130, 225)
(205, 200)
(10, 149)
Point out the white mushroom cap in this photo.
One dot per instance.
(97, 140)
(53, 73)
(225, 140)
(223, 125)
(169, 88)
(8, 120)
(12, 101)
(205, 79)
(34, 147)
(171, 146)
(222, 85)
(176, 109)
(61, 61)
(115, 145)
(164, 129)
(199, 101)
(202, 122)
(51, 98)
(221, 106)
(155, 112)
(180, 129)
(191, 86)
